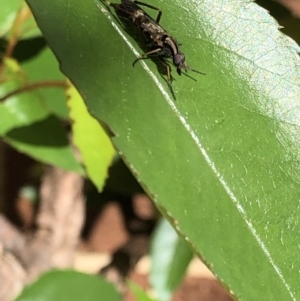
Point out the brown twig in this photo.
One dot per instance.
(53, 245)
(33, 86)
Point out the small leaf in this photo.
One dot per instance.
(20, 109)
(170, 257)
(69, 286)
(46, 141)
(26, 123)
(92, 141)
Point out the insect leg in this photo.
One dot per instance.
(150, 6)
(144, 55)
(188, 76)
(169, 75)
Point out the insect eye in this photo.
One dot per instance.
(179, 59)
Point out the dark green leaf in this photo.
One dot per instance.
(46, 141)
(222, 161)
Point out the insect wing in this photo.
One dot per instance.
(152, 27)
(130, 6)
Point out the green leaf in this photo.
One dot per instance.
(170, 257)
(20, 109)
(46, 141)
(221, 162)
(69, 285)
(96, 149)
(27, 126)
(8, 12)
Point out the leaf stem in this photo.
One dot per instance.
(33, 86)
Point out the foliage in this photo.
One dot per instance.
(220, 162)
(69, 285)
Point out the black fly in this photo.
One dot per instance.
(157, 39)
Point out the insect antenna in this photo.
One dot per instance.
(188, 76)
(194, 70)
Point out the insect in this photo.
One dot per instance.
(157, 39)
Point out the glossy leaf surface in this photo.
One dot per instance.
(221, 162)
